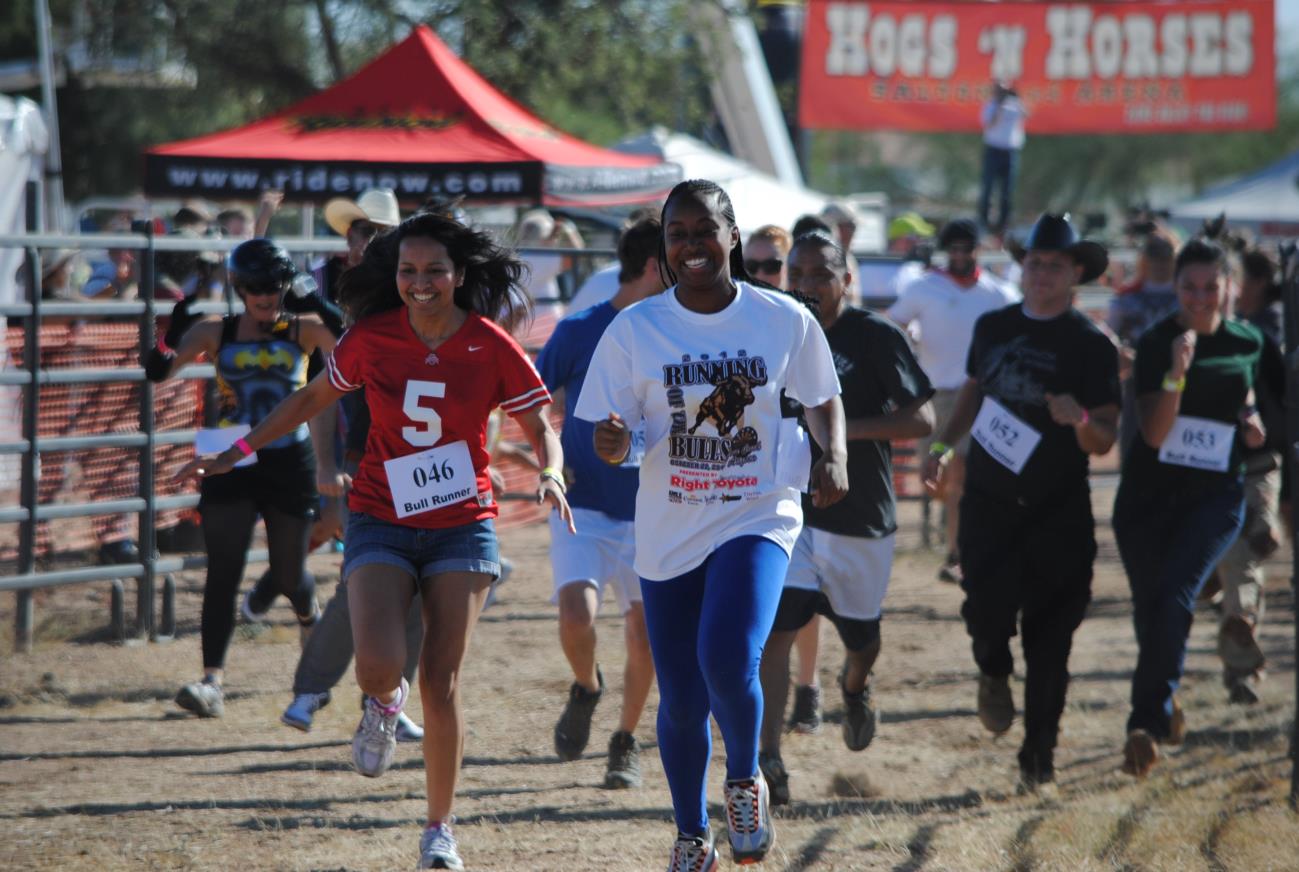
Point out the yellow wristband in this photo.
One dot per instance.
(939, 449)
(554, 475)
(1174, 384)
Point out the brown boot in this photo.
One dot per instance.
(1140, 754)
(996, 705)
(1176, 725)
(1237, 646)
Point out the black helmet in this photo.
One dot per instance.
(1057, 233)
(260, 263)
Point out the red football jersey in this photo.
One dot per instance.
(420, 399)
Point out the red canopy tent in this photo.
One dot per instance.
(418, 120)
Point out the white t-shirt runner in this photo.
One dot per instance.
(945, 314)
(707, 388)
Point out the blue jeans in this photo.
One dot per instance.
(421, 552)
(1169, 542)
(707, 629)
(999, 168)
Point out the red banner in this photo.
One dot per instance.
(1099, 67)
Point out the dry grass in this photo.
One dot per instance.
(97, 768)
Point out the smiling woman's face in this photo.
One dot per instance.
(698, 240)
(427, 278)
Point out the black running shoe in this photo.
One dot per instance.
(859, 718)
(773, 769)
(806, 717)
(624, 762)
(574, 727)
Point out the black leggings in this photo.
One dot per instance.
(227, 533)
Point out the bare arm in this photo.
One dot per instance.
(535, 424)
(829, 479)
(301, 405)
(1158, 410)
(964, 411)
(1095, 429)
(202, 338)
(912, 421)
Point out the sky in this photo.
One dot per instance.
(1287, 22)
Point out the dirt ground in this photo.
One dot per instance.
(99, 769)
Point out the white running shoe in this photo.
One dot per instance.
(303, 709)
(437, 848)
(376, 736)
(748, 817)
(204, 698)
(693, 854)
(408, 730)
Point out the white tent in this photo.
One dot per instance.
(758, 198)
(1266, 202)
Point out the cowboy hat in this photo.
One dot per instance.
(1056, 233)
(377, 205)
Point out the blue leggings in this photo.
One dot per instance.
(707, 629)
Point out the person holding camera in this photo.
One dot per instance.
(1002, 121)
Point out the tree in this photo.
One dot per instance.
(599, 69)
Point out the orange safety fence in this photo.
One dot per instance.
(92, 475)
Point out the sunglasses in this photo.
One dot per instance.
(769, 266)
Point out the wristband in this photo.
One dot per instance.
(556, 476)
(1085, 418)
(165, 348)
(939, 449)
(241, 445)
(1176, 385)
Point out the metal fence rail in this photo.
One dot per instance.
(31, 378)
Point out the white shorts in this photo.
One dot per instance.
(852, 572)
(601, 553)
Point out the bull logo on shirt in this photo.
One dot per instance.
(725, 405)
(733, 381)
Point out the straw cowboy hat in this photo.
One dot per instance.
(377, 205)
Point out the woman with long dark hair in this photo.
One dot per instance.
(705, 366)
(429, 298)
(1181, 503)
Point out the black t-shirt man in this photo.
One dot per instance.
(878, 374)
(1018, 360)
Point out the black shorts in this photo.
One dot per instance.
(282, 479)
(798, 606)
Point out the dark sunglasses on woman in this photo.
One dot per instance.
(768, 266)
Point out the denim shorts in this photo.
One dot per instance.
(420, 552)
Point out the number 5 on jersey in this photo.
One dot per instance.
(431, 431)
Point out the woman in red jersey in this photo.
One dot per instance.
(434, 365)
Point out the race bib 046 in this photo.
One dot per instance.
(1199, 443)
(431, 479)
(1004, 436)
